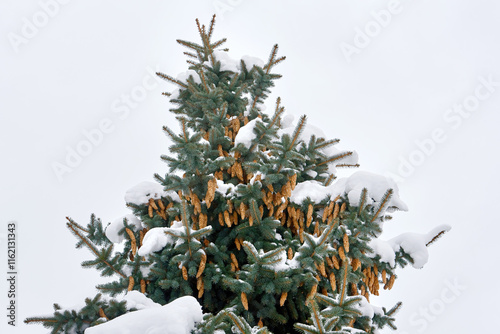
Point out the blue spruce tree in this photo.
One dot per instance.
(250, 218)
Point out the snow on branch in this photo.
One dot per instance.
(141, 193)
(113, 229)
(376, 188)
(177, 317)
(413, 244)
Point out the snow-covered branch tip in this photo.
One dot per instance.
(445, 228)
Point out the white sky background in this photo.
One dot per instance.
(394, 92)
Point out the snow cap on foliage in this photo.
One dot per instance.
(225, 188)
(183, 76)
(177, 317)
(117, 225)
(226, 62)
(352, 187)
(156, 239)
(384, 249)
(138, 300)
(233, 65)
(141, 193)
(414, 244)
(368, 310)
(376, 186)
(313, 190)
(245, 134)
(251, 61)
(288, 125)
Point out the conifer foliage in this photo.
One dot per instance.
(250, 218)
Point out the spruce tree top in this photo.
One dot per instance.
(250, 218)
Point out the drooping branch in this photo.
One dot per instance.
(92, 249)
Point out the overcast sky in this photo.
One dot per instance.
(413, 87)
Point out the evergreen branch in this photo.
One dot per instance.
(435, 238)
(254, 101)
(271, 58)
(362, 200)
(273, 262)
(352, 312)
(329, 180)
(394, 309)
(211, 29)
(218, 43)
(77, 225)
(233, 82)
(278, 110)
(160, 179)
(298, 130)
(236, 321)
(168, 158)
(274, 120)
(344, 283)
(39, 320)
(347, 165)
(202, 75)
(193, 46)
(110, 290)
(326, 233)
(56, 330)
(305, 328)
(200, 233)
(336, 157)
(84, 239)
(326, 300)
(184, 130)
(200, 57)
(387, 196)
(250, 250)
(173, 234)
(277, 114)
(317, 318)
(189, 54)
(206, 42)
(279, 60)
(273, 253)
(268, 68)
(327, 143)
(241, 89)
(169, 78)
(254, 210)
(171, 134)
(296, 134)
(201, 30)
(186, 226)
